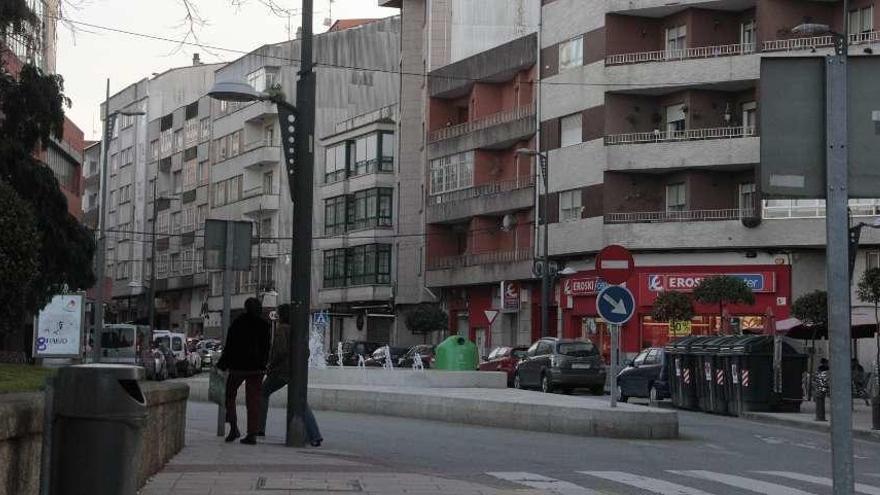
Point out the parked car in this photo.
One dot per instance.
(351, 349)
(154, 364)
(644, 376)
(563, 364)
(209, 351)
(425, 351)
(504, 359)
(176, 342)
(124, 344)
(378, 358)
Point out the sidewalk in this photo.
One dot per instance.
(805, 419)
(208, 465)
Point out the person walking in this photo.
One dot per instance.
(245, 355)
(276, 379)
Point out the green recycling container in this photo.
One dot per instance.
(456, 353)
(681, 370)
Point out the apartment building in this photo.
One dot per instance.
(650, 119)
(131, 176)
(355, 75)
(36, 44)
(91, 195)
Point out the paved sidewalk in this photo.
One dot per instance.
(209, 466)
(806, 419)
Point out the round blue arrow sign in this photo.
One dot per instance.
(615, 304)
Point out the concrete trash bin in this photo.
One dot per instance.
(100, 414)
(456, 353)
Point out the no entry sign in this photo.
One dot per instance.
(614, 264)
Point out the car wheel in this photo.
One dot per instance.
(517, 382)
(546, 385)
(621, 397)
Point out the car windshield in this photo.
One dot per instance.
(519, 353)
(576, 349)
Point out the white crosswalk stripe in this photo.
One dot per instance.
(749, 484)
(818, 480)
(652, 485)
(539, 482)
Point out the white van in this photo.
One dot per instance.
(188, 363)
(124, 344)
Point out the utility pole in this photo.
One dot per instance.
(301, 259)
(259, 287)
(100, 260)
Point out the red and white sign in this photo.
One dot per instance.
(491, 314)
(510, 297)
(614, 264)
(651, 284)
(583, 286)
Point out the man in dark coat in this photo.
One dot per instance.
(245, 356)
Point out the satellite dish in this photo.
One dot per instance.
(508, 222)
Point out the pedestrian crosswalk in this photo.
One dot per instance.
(680, 482)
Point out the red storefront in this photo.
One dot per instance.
(576, 296)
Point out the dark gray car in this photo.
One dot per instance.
(563, 364)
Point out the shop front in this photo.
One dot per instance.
(576, 296)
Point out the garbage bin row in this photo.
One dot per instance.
(732, 374)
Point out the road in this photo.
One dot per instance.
(715, 455)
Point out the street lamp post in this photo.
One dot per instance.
(297, 133)
(100, 258)
(545, 255)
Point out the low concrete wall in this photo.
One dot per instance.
(407, 378)
(21, 435)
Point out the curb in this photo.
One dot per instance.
(824, 426)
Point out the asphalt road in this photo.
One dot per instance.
(715, 455)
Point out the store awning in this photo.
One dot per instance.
(863, 327)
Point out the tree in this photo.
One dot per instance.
(672, 306)
(19, 255)
(721, 290)
(811, 308)
(32, 108)
(426, 318)
(869, 291)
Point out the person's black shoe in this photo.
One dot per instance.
(261, 433)
(249, 440)
(233, 434)
(316, 443)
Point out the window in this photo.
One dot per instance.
(873, 260)
(264, 78)
(125, 194)
(747, 199)
(178, 140)
(175, 222)
(224, 106)
(571, 129)
(165, 141)
(269, 135)
(154, 150)
(127, 156)
(750, 117)
(220, 193)
(189, 219)
(176, 182)
(114, 162)
(369, 264)
(861, 23)
(334, 268)
(268, 183)
(201, 216)
(366, 154)
(676, 41)
(336, 163)
(162, 222)
(235, 143)
(202, 172)
(233, 189)
(571, 53)
(334, 215)
(747, 36)
(452, 172)
(387, 145)
(205, 128)
(188, 259)
(675, 118)
(570, 205)
(222, 148)
(191, 131)
(370, 208)
(200, 260)
(190, 175)
(174, 266)
(266, 228)
(676, 197)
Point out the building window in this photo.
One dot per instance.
(178, 140)
(114, 162)
(387, 151)
(675, 118)
(369, 264)
(861, 22)
(227, 191)
(366, 155)
(750, 117)
(200, 260)
(125, 194)
(189, 219)
(453, 172)
(269, 183)
(873, 260)
(202, 172)
(334, 268)
(165, 141)
(747, 199)
(201, 216)
(748, 36)
(571, 129)
(676, 41)
(176, 182)
(263, 79)
(175, 222)
(220, 193)
(205, 128)
(676, 197)
(191, 131)
(266, 228)
(174, 265)
(235, 143)
(154, 150)
(162, 222)
(370, 208)
(570, 205)
(336, 163)
(571, 53)
(190, 174)
(334, 215)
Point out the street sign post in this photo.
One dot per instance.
(616, 305)
(614, 264)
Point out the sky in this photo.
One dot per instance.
(87, 56)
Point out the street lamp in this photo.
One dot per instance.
(100, 258)
(545, 258)
(297, 133)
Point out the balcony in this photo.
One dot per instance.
(658, 136)
(254, 201)
(682, 54)
(486, 199)
(481, 268)
(814, 42)
(361, 293)
(497, 131)
(691, 148)
(259, 153)
(679, 216)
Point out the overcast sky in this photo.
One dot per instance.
(88, 56)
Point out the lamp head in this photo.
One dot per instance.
(235, 91)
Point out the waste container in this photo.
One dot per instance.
(731, 357)
(100, 414)
(719, 393)
(755, 355)
(456, 353)
(704, 358)
(681, 371)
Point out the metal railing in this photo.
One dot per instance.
(811, 42)
(493, 257)
(789, 209)
(482, 190)
(658, 136)
(679, 216)
(481, 123)
(680, 54)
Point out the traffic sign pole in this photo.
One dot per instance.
(615, 344)
(616, 305)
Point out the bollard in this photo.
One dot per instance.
(820, 406)
(875, 412)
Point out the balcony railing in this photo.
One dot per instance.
(679, 216)
(658, 136)
(680, 54)
(826, 41)
(483, 190)
(481, 123)
(466, 260)
(815, 208)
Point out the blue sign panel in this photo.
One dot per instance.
(615, 304)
